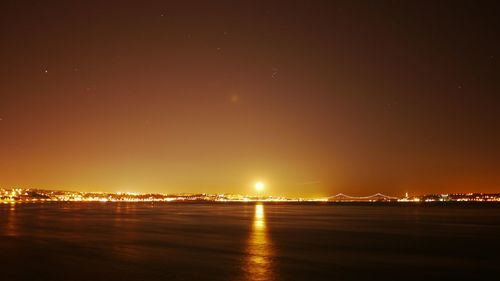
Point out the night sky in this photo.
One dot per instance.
(311, 97)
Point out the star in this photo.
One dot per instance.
(274, 73)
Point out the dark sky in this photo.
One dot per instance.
(312, 97)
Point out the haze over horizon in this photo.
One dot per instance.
(312, 99)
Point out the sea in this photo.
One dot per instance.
(249, 241)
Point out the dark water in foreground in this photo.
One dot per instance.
(198, 241)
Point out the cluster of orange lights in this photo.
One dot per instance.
(36, 195)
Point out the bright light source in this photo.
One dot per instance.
(259, 186)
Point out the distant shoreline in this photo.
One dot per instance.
(41, 195)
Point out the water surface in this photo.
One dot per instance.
(203, 241)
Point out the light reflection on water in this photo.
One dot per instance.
(200, 241)
(11, 226)
(258, 263)
(125, 239)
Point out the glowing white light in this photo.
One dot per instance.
(259, 186)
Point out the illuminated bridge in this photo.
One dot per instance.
(371, 198)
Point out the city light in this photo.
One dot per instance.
(19, 195)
